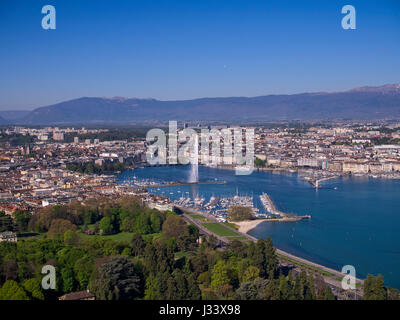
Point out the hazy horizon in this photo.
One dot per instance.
(194, 98)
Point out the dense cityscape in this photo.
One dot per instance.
(44, 168)
(35, 163)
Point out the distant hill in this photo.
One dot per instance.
(3, 121)
(10, 115)
(361, 103)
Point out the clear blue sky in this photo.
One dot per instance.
(185, 49)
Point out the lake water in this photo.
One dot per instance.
(355, 221)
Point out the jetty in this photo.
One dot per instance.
(171, 184)
(316, 182)
(271, 208)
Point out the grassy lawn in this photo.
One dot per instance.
(198, 217)
(232, 225)
(219, 229)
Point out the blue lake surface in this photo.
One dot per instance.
(355, 221)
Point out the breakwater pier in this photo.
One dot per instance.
(316, 182)
(171, 184)
(271, 208)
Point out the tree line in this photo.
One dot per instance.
(92, 168)
(164, 259)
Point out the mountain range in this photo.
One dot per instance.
(12, 115)
(363, 103)
(3, 121)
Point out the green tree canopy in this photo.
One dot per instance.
(21, 219)
(105, 226)
(220, 275)
(6, 222)
(33, 288)
(173, 226)
(59, 226)
(117, 280)
(374, 288)
(11, 290)
(238, 213)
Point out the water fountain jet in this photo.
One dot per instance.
(194, 170)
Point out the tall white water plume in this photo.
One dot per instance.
(194, 170)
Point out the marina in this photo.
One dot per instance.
(215, 206)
